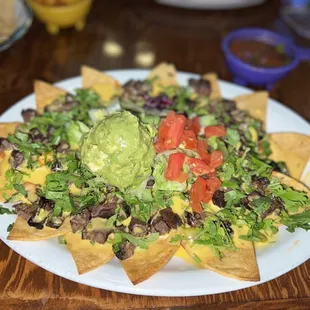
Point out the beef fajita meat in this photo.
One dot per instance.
(99, 236)
(194, 219)
(55, 222)
(170, 218)
(276, 205)
(164, 221)
(79, 221)
(65, 104)
(29, 114)
(135, 90)
(218, 199)
(25, 211)
(201, 86)
(260, 183)
(138, 228)
(5, 145)
(229, 105)
(105, 209)
(36, 136)
(16, 158)
(46, 204)
(62, 147)
(126, 250)
(157, 224)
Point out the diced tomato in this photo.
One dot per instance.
(202, 151)
(183, 177)
(213, 184)
(170, 132)
(198, 166)
(159, 146)
(197, 192)
(207, 196)
(194, 125)
(216, 159)
(163, 130)
(212, 174)
(175, 165)
(218, 131)
(189, 139)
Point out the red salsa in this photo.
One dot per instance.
(260, 54)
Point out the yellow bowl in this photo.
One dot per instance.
(62, 16)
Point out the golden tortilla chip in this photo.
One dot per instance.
(92, 77)
(8, 128)
(21, 231)
(240, 264)
(146, 262)
(215, 87)
(290, 182)
(164, 74)
(88, 256)
(293, 149)
(46, 94)
(105, 85)
(255, 104)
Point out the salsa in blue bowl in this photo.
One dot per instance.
(260, 57)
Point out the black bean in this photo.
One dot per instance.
(16, 158)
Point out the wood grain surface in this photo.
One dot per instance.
(126, 34)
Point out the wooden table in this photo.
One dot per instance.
(126, 34)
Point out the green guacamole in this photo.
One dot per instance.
(120, 149)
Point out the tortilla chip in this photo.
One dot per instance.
(46, 94)
(8, 128)
(240, 264)
(164, 74)
(21, 231)
(105, 85)
(255, 104)
(146, 262)
(88, 256)
(290, 182)
(293, 149)
(92, 77)
(215, 87)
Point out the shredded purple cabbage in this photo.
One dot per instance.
(160, 102)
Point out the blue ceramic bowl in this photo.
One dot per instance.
(244, 73)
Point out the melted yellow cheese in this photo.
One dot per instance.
(127, 221)
(37, 176)
(106, 91)
(181, 253)
(179, 205)
(253, 133)
(75, 191)
(211, 207)
(97, 224)
(270, 239)
(4, 162)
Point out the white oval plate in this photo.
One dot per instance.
(177, 278)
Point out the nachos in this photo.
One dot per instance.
(141, 170)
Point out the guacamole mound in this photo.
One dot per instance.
(120, 149)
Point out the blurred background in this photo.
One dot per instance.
(119, 34)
